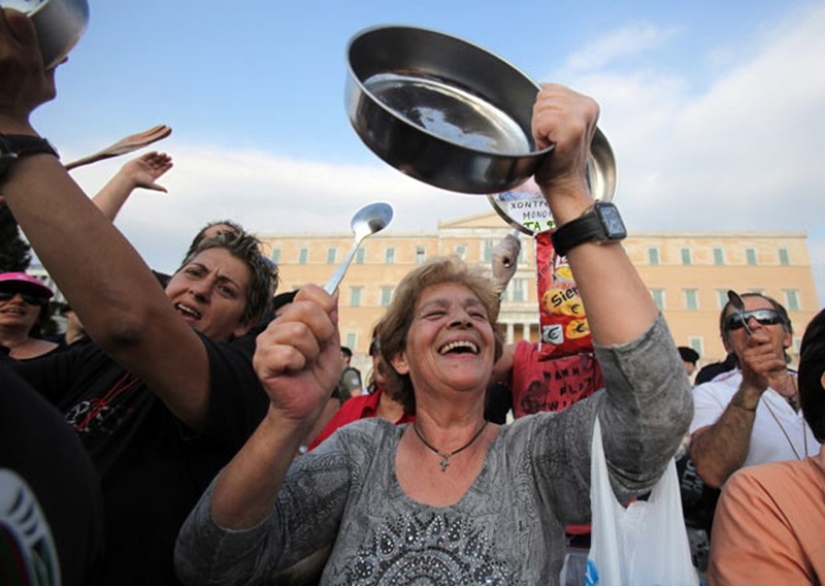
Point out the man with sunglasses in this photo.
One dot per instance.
(24, 304)
(750, 415)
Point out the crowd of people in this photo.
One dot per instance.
(197, 428)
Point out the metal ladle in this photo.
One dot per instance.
(739, 305)
(367, 221)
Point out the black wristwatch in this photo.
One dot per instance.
(600, 223)
(14, 146)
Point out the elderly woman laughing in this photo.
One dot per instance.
(449, 499)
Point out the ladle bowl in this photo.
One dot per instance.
(367, 221)
(739, 305)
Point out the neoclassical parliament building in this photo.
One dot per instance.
(688, 275)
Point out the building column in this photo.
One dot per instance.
(511, 334)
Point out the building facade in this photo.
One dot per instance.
(688, 275)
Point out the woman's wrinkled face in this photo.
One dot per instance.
(450, 344)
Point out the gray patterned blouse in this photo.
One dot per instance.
(507, 529)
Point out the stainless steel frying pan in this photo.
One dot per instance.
(447, 112)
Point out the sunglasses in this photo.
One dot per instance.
(30, 299)
(765, 317)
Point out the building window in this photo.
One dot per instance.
(721, 298)
(332, 253)
(792, 299)
(352, 340)
(355, 296)
(718, 256)
(419, 254)
(750, 256)
(461, 251)
(389, 255)
(276, 255)
(386, 296)
(691, 299)
(517, 286)
(784, 257)
(653, 255)
(489, 245)
(303, 256)
(658, 298)
(687, 258)
(697, 343)
(359, 256)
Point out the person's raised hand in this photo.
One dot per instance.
(568, 120)
(298, 357)
(505, 261)
(24, 81)
(759, 361)
(146, 169)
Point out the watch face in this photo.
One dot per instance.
(612, 222)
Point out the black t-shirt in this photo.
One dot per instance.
(153, 469)
(698, 499)
(499, 403)
(37, 446)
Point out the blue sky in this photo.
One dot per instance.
(714, 109)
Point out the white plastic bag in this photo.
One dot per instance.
(644, 544)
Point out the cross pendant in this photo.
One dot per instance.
(444, 463)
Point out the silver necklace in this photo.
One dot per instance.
(785, 433)
(445, 456)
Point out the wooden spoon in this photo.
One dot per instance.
(124, 145)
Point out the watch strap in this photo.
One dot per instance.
(585, 228)
(19, 145)
(599, 223)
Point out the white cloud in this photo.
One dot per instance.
(742, 154)
(267, 193)
(625, 42)
(745, 153)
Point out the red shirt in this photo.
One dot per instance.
(359, 407)
(542, 383)
(551, 383)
